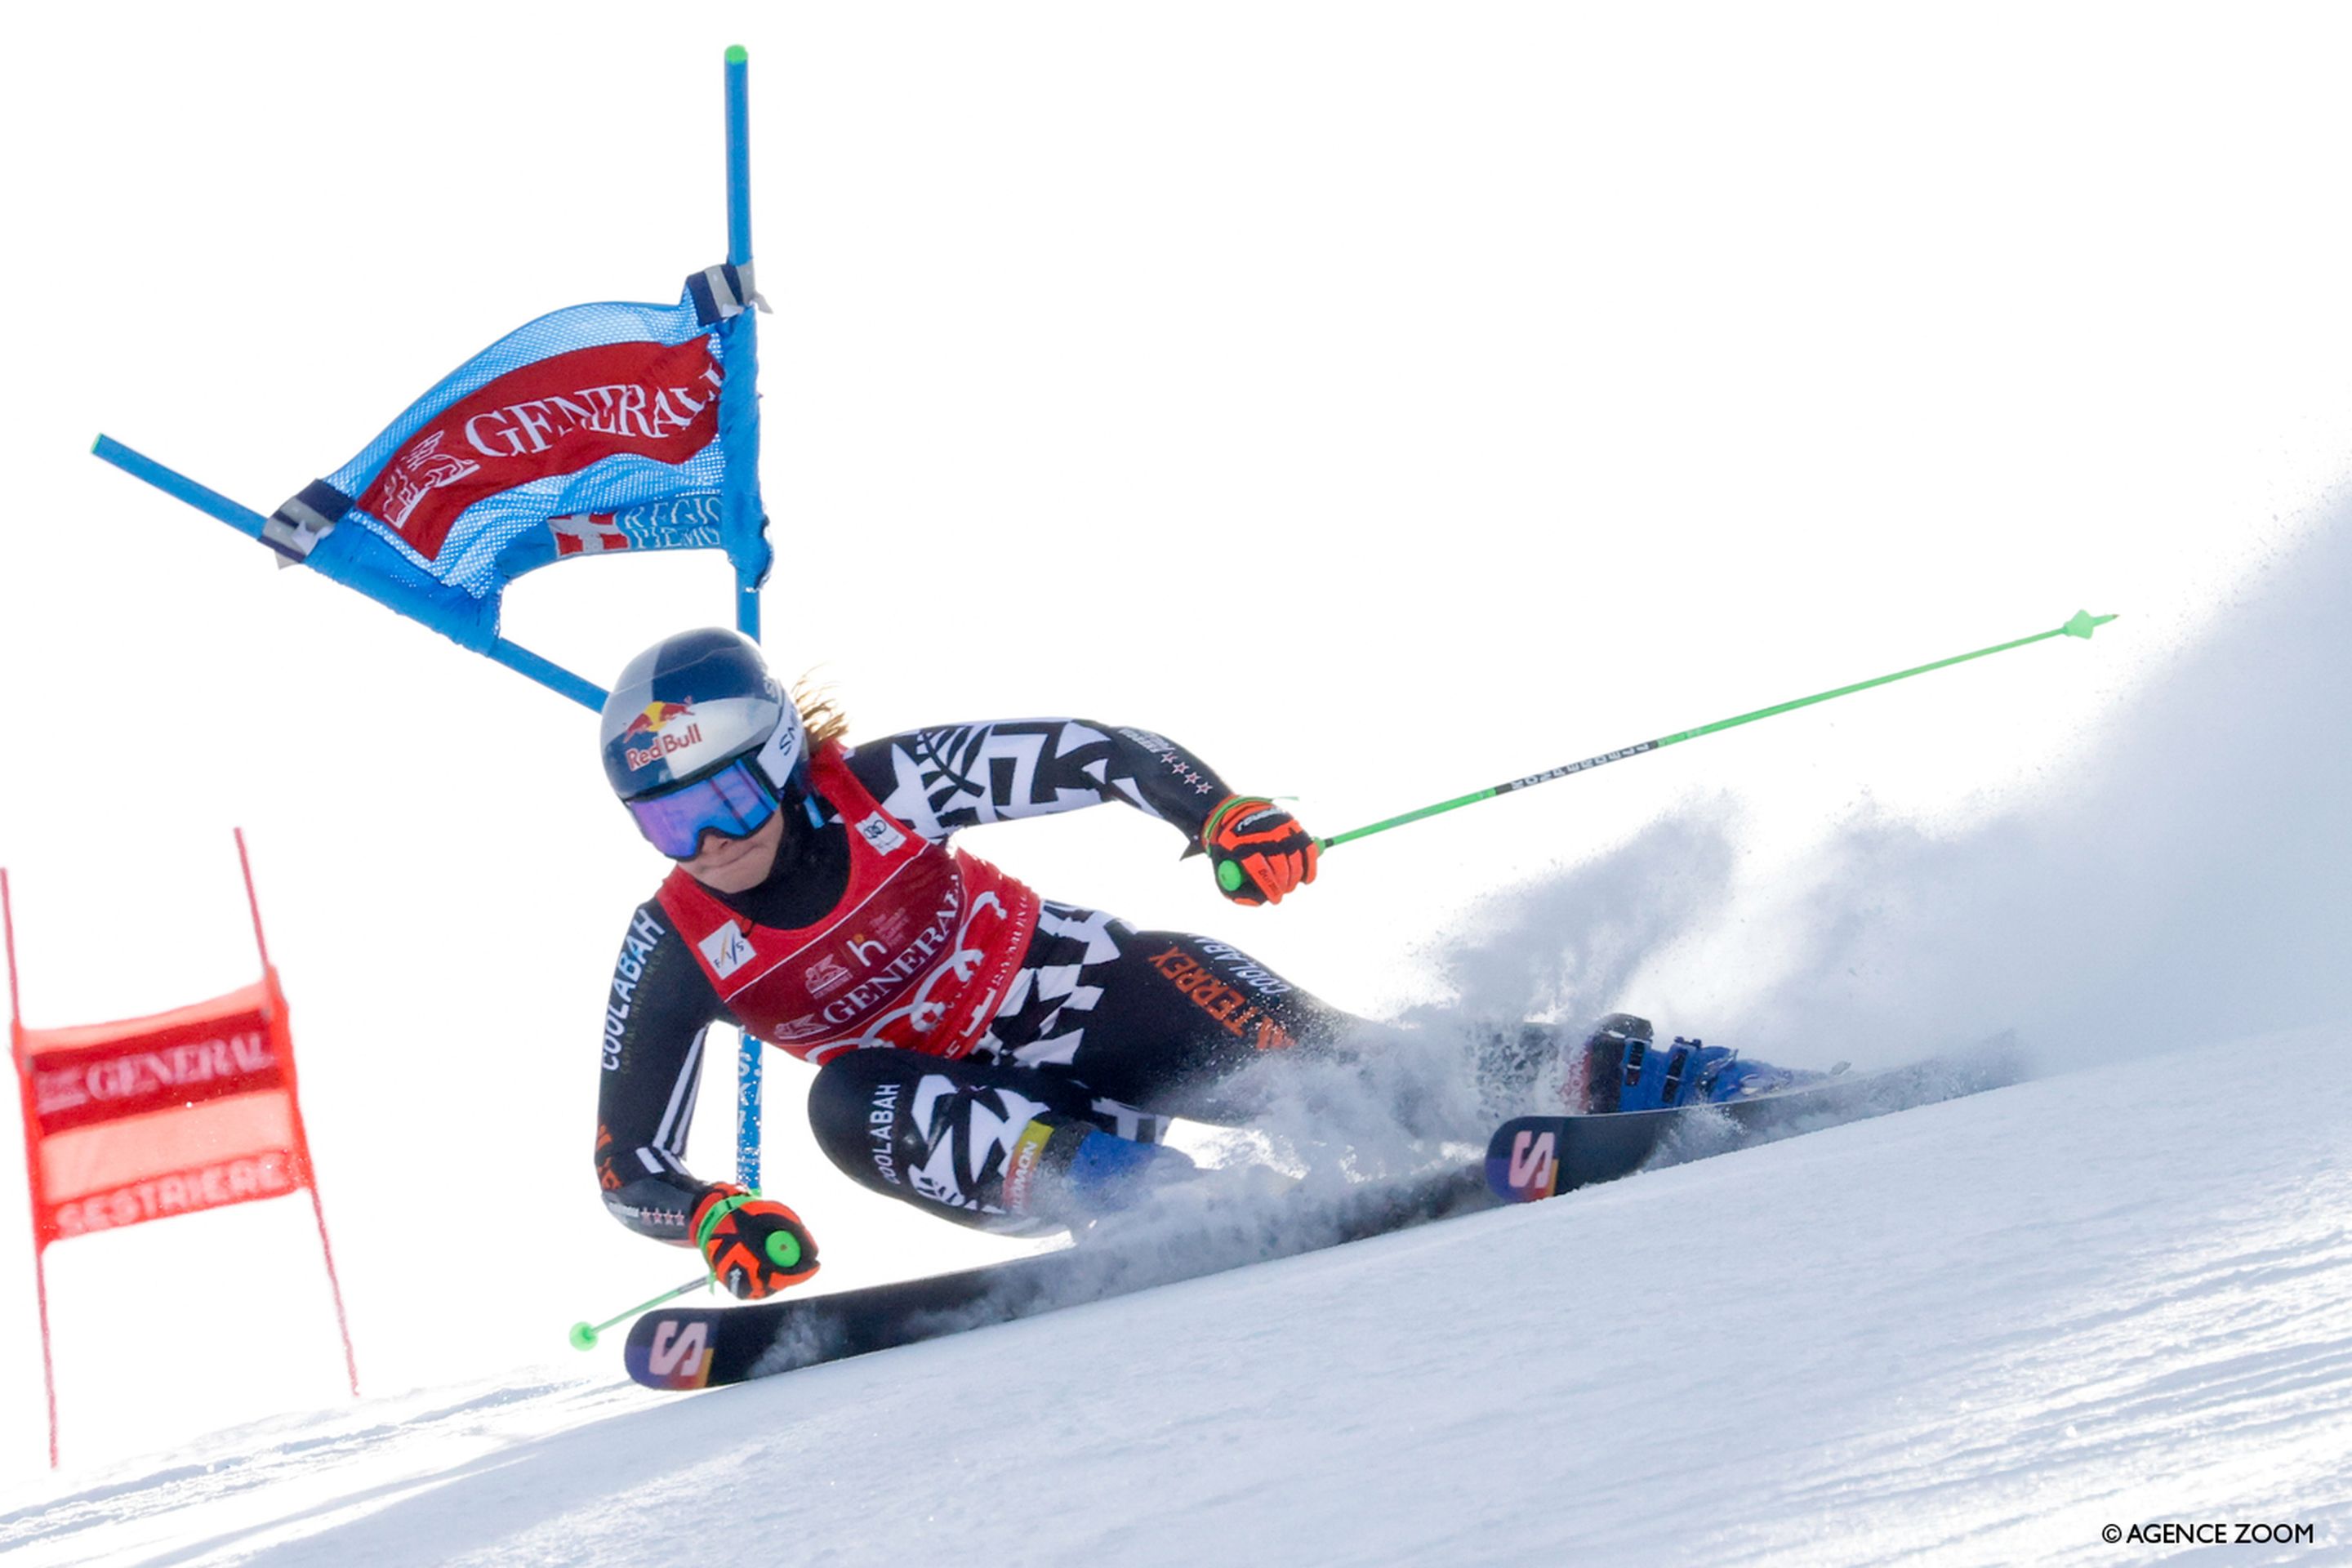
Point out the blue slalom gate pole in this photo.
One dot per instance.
(738, 254)
(739, 156)
(250, 523)
(179, 487)
(747, 1110)
(747, 588)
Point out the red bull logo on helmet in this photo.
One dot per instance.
(651, 735)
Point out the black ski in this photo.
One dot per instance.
(703, 1347)
(1535, 1157)
(1529, 1158)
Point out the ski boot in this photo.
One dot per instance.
(1625, 1070)
(1073, 1172)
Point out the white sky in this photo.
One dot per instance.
(1385, 401)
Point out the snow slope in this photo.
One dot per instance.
(1975, 1333)
(1978, 1333)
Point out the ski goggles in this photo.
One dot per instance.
(731, 802)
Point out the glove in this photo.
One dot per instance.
(755, 1247)
(1259, 851)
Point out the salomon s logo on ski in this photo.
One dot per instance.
(677, 1356)
(1528, 1169)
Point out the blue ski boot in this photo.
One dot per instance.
(1626, 1070)
(1071, 1172)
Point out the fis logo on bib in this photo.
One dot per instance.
(728, 949)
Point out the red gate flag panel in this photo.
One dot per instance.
(147, 1117)
(169, 1114)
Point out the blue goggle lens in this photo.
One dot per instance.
(730, 803)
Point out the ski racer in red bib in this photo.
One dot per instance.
(985, 1054)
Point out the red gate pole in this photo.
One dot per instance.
(32, 1164)
(301, 1131)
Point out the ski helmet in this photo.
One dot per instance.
(689, 708)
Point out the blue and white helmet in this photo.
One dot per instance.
(690, 705)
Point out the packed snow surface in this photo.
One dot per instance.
(2117, 1296)
(1979, 1331)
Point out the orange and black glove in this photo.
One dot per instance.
(1259, 851)
(755, 1247)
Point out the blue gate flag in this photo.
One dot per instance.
(596, 428)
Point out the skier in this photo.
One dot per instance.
(987, 1055)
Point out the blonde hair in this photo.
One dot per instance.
(822, 713)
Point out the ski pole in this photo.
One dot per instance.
(584, 1334)
(2082, 623)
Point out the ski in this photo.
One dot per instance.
(1530, 1158)
(707, 1347)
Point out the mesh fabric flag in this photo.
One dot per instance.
(592, 430)
(152, 1117)
(146, 1118)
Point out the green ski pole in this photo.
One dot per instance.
(2082, 626)
(584, 1334)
